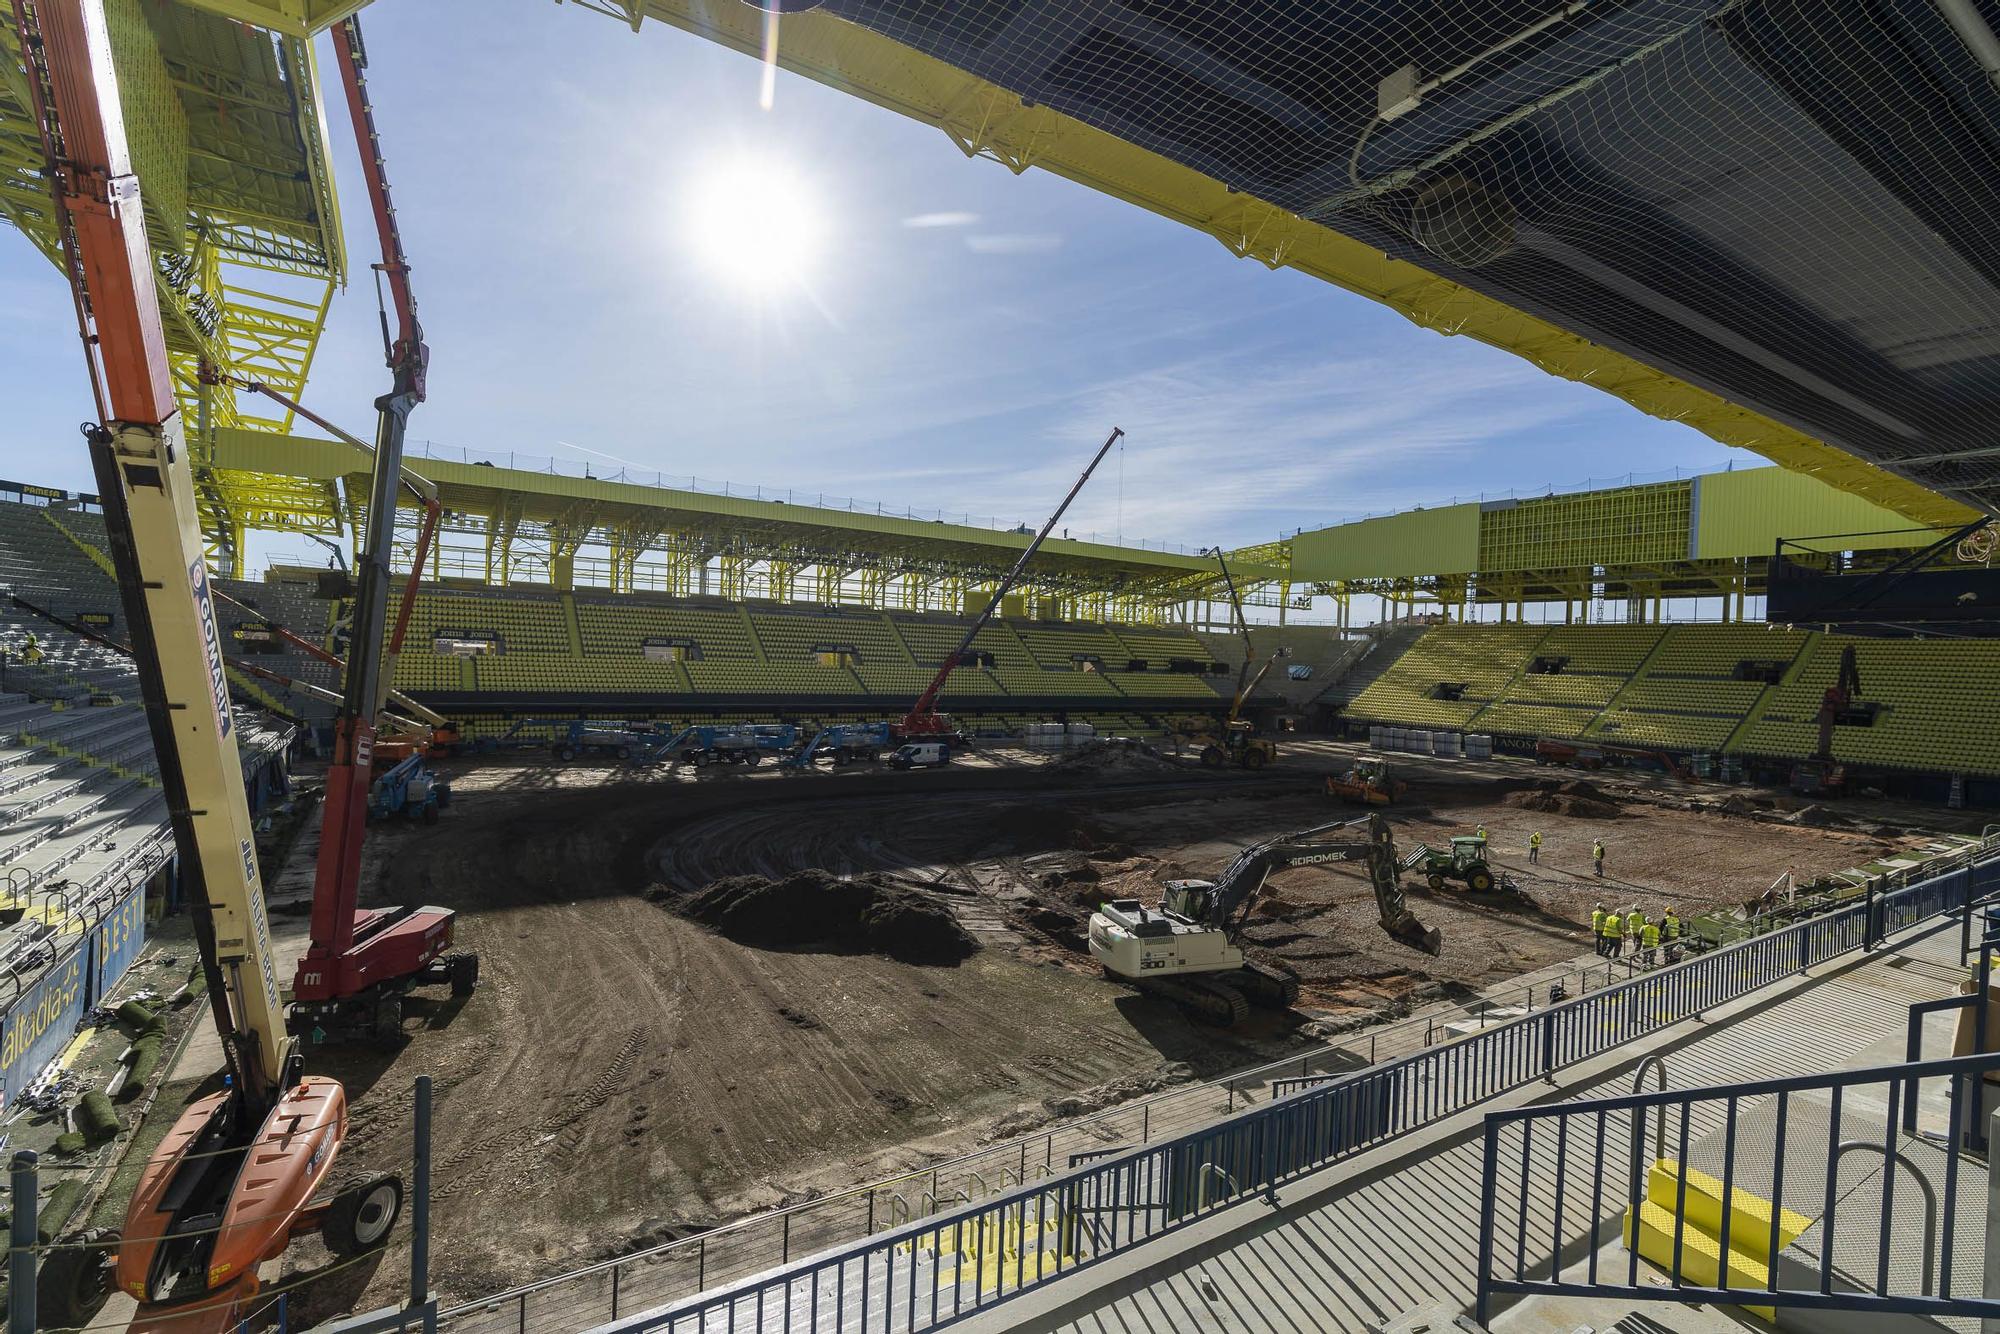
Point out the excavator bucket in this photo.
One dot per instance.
(1415, 934)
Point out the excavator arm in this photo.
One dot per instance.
(1227, 902)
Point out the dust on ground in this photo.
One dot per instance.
(624, 1074)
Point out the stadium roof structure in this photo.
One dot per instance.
(229, 140)
(542, 527)
(1769, 219)
(1711, 535)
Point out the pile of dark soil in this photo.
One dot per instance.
(812, 909)
(1574, 798)
(1121, 754)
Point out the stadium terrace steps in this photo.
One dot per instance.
(1937, 702)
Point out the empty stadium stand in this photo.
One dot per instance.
(1746, 690)
(83, 817)
(707, 656)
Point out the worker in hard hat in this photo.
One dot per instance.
(1480, 833)
(1597, 929)
(1535, 848)
(1611, 935)
(1635, 926)
(1649, 943)
(1670, 933)
(1597, 856)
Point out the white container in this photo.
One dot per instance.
(1450, 744)
(1375, 737)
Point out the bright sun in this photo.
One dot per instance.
(756, 224)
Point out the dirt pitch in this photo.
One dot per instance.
(624, 1075)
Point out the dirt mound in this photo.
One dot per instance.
(1557, 801)
(813, 908)
(1121, 754)
(1817, 817)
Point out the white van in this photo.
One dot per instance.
(920, 755)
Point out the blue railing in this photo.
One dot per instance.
(958, 1262)
(1831, 1258)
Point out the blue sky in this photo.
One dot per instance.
(549, 167)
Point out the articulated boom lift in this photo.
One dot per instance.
(361, 961)
(235, 1178)
(1186, 948)
(923, 722)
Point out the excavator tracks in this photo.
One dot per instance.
(1204, 998)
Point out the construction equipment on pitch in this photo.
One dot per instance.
(847, 743)
(239, 1173)
(361, 962)
(424, 731)
(735, 743)
(923, 722)
(1822, 775)
(1465, 862)
(1594, 757)
(1367, 782)
(1236, 741)
(408, 789)
(1186, 948)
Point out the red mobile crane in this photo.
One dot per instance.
(360, 962)
(923, 722)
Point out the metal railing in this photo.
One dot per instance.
(762, 1241)
(963, 1259)
(1781, 1140)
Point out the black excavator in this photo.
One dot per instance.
(1186, 949)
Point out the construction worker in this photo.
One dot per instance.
(34, 650)
(1635, 926)
(1649, 943)
(1480, 833)
(1597, 929)
(1670, 934)
(1535, 849)
(1611, 935)
(1597, 856)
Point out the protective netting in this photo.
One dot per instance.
(1788, 202)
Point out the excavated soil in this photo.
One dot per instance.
(817, 911)
(632, 1069)
(1573, 797)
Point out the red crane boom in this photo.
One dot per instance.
(923, 721)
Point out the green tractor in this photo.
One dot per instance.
(1466, 862)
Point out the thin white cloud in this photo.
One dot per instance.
(1013, 243)
(941, 220)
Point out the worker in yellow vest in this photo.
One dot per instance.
(1611, 936)
(1635, 926)
(1670, 933)
(1480, 833)
(1535, 848)
(1597, 856)
(1597, 929)
(1649, 942)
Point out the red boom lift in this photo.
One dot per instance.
(361, 961)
